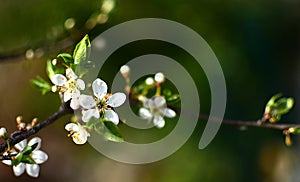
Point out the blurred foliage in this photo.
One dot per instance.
(257, 44)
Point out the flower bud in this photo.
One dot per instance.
(3, 133)
(125, 70)
(159, 77)
(149, 81)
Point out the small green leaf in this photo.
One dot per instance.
(41, 84)
(27, 159)
(68, 59)
(17, 159)
(276, 107)
(82, 50)
(167, 93)
(112, 132)
(50, 69)
(288, 140)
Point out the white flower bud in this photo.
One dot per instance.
(159, 77)
(125, 70)
(149, 81)
(3, 132)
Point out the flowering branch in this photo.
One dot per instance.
(18, 136)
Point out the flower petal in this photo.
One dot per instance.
(70, 74)
(34, 141)
(99, 88)
(33, 170)
(67, 95)
(39, 156)
(159, 101)
(159, 121)
(145, 113)
(7, 162)
(87, 115)
(116, 99)
(59, 80)
(74, 104)
(168, 112)
(147, 103)
(19, 169)
(112, 116)
(80, 84)
(87, 101)
(21, 145)
(71, 127)
(80, 137)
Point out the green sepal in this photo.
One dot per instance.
(17, 159)
(27, 159)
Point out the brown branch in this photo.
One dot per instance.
(19, 136)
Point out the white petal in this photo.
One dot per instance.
(159, 101)
(59, 80)
(145, 113)
(87, 101)
(39, 156)
(70, 74)
(159, 121)
(33, 170)
(148, 103)
(80, 137)
(7, 162)
(87, 115)
(19, 169)
(67, 95)
(116, 99)
(168, 112)
(112, 116)
(74, 104)
(80, 84)
(71, 127)
(34, 141)
(99, 88)
(21, 145)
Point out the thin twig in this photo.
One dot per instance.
(19, 136)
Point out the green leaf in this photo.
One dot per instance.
(84, 67)
(68, 59)
(17, 159)
(41, 84)
(50, 68)
(288, 140)
(174, 98)
(82, 50)
(277, 106)
(27, 159)
(112, 132)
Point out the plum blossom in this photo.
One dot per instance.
(78, 133)
(70, 86)
(37, 155)
(102, 102)
(155, 109)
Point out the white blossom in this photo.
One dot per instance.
(37, 155)
(125, 70)
(155, 109)
(70, 85)
(93, 106)
(78, 133)
(3, 132)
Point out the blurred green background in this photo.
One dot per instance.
(256, 42)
